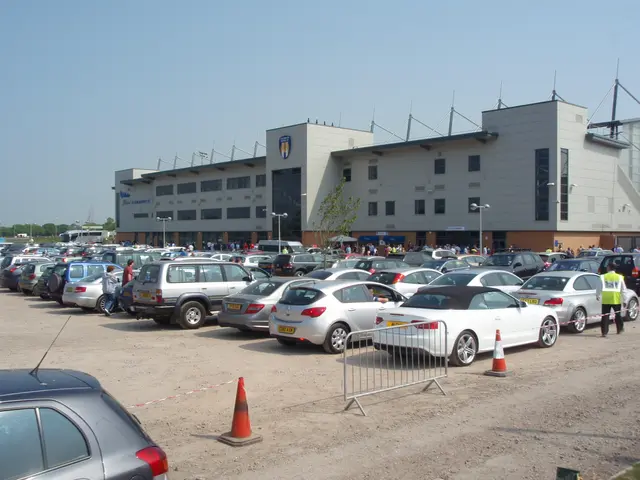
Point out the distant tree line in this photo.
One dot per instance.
(47, 229)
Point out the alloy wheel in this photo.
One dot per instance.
(193, 316)
(338, 338)
(549, 331)
(466, 348)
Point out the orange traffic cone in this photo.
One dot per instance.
(499, 367)
(240, 434)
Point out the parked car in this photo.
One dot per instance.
(472, 315)
(65, 273)
(250, 308)
(590, 265)
(63, 424)
(351, 262)
(41, 286)
(549, 258)
(298, 265)
(325, 313)
(250, 260)
(594, 252)
(473, 260)
(407, 281)
(478, 277)
(523, 264)
(87, 292)
(121, 257)
(10, 260)
(627, 265)
(572, 295)
(11, 275)
(338, 274)
(31, 274)
(125, 298)
(186, 292)
(373, 264)
(416, 259)
(444, 265)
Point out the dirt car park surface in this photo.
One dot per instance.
(574, 405)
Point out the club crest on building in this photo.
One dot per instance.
(285, 146)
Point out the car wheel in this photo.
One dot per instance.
(100, 303)
(162, 320)
(632, 310)
(578, 321)
(465, 349)
(192, 315)
(131, 312)
(336, 340)
(28, 293)
(12, 289)
(60, 302)
(286, 342)
(548, 333)
(43, 296)
(299, 273)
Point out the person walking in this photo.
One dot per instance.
(127, 275)
(610, 289)
(109, 283)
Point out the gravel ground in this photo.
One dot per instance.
(575, 405)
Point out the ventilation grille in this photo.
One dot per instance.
(193, 201)
(346, 164)
(438, 187)
(229, 198)
(258, 227)
(419, 188)
(219, 199)
(373, 161)
(474, 184)
(247, 197)
(390, 225)
(259, 195)
(373, 191)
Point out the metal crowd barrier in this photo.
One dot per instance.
(392, 357)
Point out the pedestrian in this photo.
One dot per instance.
(610, 289)
(127, 275)
(109, 283)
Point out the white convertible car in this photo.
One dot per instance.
(472, 315)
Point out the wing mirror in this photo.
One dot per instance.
(522, 304)
(247, 279)
(517, 265)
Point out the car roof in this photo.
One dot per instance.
(406, 270)
(332, 285)
(462, 295)
(475, 270)
(562, 273)
(16, 383)
(581, 259)
(337, 270)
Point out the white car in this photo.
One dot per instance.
(87, 293)
(479, 277)
(338, 274)
(407, 281)
(471, 315)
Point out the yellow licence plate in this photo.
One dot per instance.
(531, 301)
(289, 330)
(234, 306)
(69, 289)
(395, 324)
(145, 295)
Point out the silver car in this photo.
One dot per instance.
(351, 262)
(573, 297)
(480, 277)
(325, 313)
(338, 274)
(87, 293)
(250, 308)
(405, 280)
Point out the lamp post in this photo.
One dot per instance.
(480, 208)
(279, 216)
(164, 221)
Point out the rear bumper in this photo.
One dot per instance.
(256, 322)
(27, 284)
(151, 311)
(79, 301)
(310, 330)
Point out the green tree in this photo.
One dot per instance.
(49, 229)
(336, 215)
(110, 224)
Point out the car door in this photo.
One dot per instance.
(428, 276)
(359, 306)
(236, 277)
(483, 320)
(212, 282)
(593, 305)
(511, 319)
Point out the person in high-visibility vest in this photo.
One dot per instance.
(610, 290)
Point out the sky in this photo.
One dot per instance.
(92, 87)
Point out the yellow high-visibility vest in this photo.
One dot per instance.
(611, 282)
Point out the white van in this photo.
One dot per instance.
(271, 246)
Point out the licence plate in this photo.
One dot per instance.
(278, 269)
(395, 324)
(289, 330)
(234, 306)
(530, 301)
(69, 289)
(145, 295)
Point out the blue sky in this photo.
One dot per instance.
(92, 87)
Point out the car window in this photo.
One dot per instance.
(318, 258)
(503, 260)
(510, 280)
(258, 273)
(581, 283)
(301, 296)
(149, 273)
(353, 276)
(593, 281)
(20, 449)
(181, 274)
(428, 277)
(354, 294)
(414, 278)
(304, 259)
(589, 267)
(478, 302)
(63, 441)
(76, 271)
(529, 259)
(234, 273)
(211, 273)
(497, 300)
(432, 301)
(94, 270)
(263, 288)
(491, 280)
(319, 274)
(460, 279)
(546, 282)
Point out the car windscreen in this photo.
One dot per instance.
(544, 282)
(434, 301)
(319, 274)
(499, 261)
(6, 261)
(149, 274)
(385, 278)
(92, 278)
(458, 279)
(60, 269)
(301, 296)
(262, 287)
(568, 266)
(415, 258)
(296, 248)
(29, 269)
(363, 265)
(434, 264)
(587, 253)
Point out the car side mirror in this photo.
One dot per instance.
(247, 279)
(517, 265)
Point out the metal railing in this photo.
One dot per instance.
(392, 357)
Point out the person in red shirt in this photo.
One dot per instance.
(127, 275)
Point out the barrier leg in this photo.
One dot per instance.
(351, 402)
(431, 382)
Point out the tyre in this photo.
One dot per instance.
(132, 313)
(44, 297)
(548, 333)
(336, 339)
(55, 282)
(299, 273)
(192, 315)
(632, 310)
(60, 302)
(578, 321)
(162, 320)
(88, 309)
(27, 293)
(100, 303)
(465, 349)
(19, 289)
(286, 342)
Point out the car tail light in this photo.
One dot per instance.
(274, 309)
(425, 326)
(379, 320)
(288, 265)
(156, 459)
(554, 302)
(547, 264)
(159, 298)
(254, 308)
(13, 269)
(32, 276)
(398, 278)
(635, 272)
(372, 270)
(80, 289)
(313, 312)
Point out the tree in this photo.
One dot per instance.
(336, 215)
(49, 229)
(110, 224)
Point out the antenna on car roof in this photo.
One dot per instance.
(34, 372)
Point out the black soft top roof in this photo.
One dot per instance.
(459, 297)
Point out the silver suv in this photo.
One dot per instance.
(186, 291)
